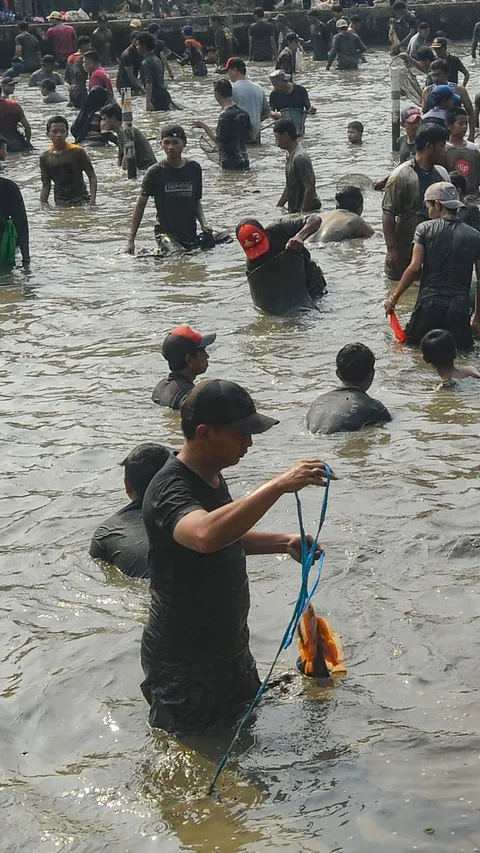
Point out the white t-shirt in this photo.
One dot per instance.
(252, 98)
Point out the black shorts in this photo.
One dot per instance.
(187, 704)
(451, 315)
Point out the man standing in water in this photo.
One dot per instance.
(248, 95)
(347, 48)
(299, 193)
(262, 46)
(13, 214)
(64, 165)
(233, 131)
(175, 184)
(195, 646)
(185, 351)
(153, 75)
(403, 205)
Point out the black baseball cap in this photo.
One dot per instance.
(184, 341)
(217, 402)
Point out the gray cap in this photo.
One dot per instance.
(445, 193)
(342, 24)
(280, 75)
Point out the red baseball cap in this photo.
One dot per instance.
(252, 239)
(184, 341)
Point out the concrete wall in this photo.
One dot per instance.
(457, 19)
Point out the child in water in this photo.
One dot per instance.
(355, 133)
(438, 349)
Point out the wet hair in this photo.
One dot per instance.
(216, 18)
(173, 129)
(286, 125)
(355, 19)
(223, 88)
(399, 5)
(236, 64)
(49, 85)
(430, 134)
(3, 142)
(147, 41)
(337, 9)
(439, 65)
(291, 37)
(258, 12)
(48, 59)
(142, 464)
(423, 25)
(458, 181)
(56, 120)
(153, 28)
(355, 363)
(313, 13)
(92, 55)
(111, 111)
(426, 53)
(438, 348)
(350, 198)
(452, 114)
(83, 40)
(23, 26)
(355, 125)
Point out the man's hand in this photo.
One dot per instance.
(199, 123)
(391, 258)
(294, 547)
(390, 305)
(312, 111)
(309, 472)
(295, 244)
(130, 247)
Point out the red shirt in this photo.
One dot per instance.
(10, 115)
(99, 77)
(63, 39)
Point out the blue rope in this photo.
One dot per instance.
(304, 597)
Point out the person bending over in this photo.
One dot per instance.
(187, 357)
(349, 407)
(198, 667)
(299, 193)
(111, 122)
(87, 126)
(344, 223)
(438, 349)
(122, 539)
(11, 117)
(234, 129)
(64, 164)
(175, 184)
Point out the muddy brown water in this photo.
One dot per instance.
(387, 758)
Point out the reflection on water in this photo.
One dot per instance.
(386, 758)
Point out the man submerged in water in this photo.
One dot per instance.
(344, 223)
(64, 164)
(187, 357)
(122, 539)
(349, 407)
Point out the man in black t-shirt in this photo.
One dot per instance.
(122, 539)
(195, 651)
(262, 45)
(233, 131)
(176, 187)
(27, 49)
(290, 100)
(320, 37)
(129, 69)
(185, 351)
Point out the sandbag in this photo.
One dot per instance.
(279, 287)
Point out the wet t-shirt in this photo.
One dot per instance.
(251, 97)
(298, 171)
(200, 602)
(172, 391)
(232, 131)
(130, 58)
(466, 161)
(63, 40)
(10, 115)
(296, 100)
(30, 50)
(65, 170)
(176, 193)
(345, 409)
(37, 78)
(279, 233)
(224, 44)
(406, 149)
(122, 541)
(286, 62)
(153, 73)
(144, 155)
(100, 78)
(319, 39)
(450, 251)
(261, 33)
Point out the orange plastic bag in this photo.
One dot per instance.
(321, 653)
(396, 328)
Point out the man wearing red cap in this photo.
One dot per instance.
(195, 646)
(185, 351)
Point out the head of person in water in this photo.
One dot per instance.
(440, 46)
(8, 86)
(145, 43)
(174, 140)
(438, 349)
(154, 30)
(439, 72)
(102, 22)
(411, 120)
(430, 144)
(342, 26)
(216, 22)
(291, 43)
(355, 23)
(286, 135)
(356, 366)
(337, 12)
(47, 87)
(456, 122)
(48, 63)
(281, 81)
(84, 44)
(442, 97)
(280, 23)
(425, 56)
(91, 61)
(3, 149)
(140, 467)
(313, 16)
(460, 184)
(185, 350)
(442, 201)
(253, 238)
(111, 117)
(235, 69)
(351, 199)
(219, 418)
(355, 132)
(399, 9)
(57, 132)
(258, 13)
(223, 92)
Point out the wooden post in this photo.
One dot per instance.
(127, 119)
(395, 93)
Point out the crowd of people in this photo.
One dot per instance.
(181, 527)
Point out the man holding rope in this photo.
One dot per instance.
(195, 652)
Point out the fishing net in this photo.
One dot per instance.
(363, 182)
(409, 86)
(209, 148)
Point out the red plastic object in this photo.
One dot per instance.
(396, 328)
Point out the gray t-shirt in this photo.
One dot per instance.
(299, 170)
(252, 98)
(450, 251)
(143, 150)
(39, 76)
(345, 409)
(30, 50)
(54, 98)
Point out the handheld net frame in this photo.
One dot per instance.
(362, 182)
(209, 148)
